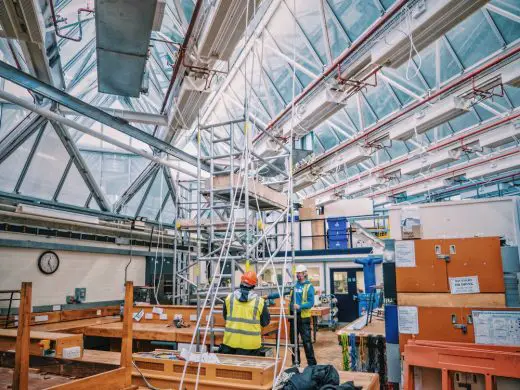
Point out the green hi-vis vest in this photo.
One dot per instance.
(305, 313)
(243, 329)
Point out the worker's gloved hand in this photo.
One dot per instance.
(296, 306)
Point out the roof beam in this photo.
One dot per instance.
(81, 165)
(27, 81)
(131, 116)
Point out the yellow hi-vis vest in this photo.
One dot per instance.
(243, 329)
(305, 313)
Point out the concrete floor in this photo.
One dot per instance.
(326, 349)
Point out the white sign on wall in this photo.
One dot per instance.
(408, 318)
(404, 254)
(464, 285)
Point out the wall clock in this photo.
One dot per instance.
(48, 262)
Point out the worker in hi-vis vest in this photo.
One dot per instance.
(245, 313)
(301, 301)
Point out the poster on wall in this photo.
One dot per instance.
(410, 223)
(497, 327)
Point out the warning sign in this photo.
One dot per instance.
(464, 285)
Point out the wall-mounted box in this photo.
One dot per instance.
(467, 265)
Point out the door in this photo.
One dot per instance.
(344, 287)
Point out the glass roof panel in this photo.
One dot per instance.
(509, 29)
(473, 39)
(381, 99)
(12, 166)
(74, 190)
(449, 64)
(10, 117)
(512, 6)
(464, 121)
(131, 207)
(46, 167)
(326, 137)
(168, 213)
(513, 94)
(309, 17)
(155, 197)
(354, 15)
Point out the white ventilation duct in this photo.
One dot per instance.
(191, 98)
(348, 157)
(494, 167)
(225, 26)
(326, 199)
(422, 121)
(159, 15)
(430, 19)
(312, 113)
(427, 186)
(362, 185)
(511, 74)
(501, 136)
(22, 20)
(430, 161)
(304, 181)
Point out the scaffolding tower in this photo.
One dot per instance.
(234, 218)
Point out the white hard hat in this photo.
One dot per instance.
(301, 268)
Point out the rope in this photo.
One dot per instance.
(345, 352)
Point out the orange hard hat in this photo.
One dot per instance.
(249, 278)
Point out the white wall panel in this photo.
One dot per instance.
(101, 274)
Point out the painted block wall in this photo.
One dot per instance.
(101, 274)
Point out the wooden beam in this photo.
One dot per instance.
(21, 362)
(126, 339)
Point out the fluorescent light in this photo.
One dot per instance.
(439, 113)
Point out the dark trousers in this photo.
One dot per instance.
(238, 351)
(304, 331)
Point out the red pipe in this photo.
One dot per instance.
(393, 191)
(355, 45)
(439, 145)
(55, 22)
(412, 107)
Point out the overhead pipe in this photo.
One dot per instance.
(439, 145)
(399, 189)
(180, 57)
(55, 22)
(334, 66)
(495, 179)
(84, 129)
(412, 107)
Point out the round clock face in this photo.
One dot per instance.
(48, 262)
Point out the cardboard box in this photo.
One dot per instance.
(318, 233)
(411, 233)
(307, 213)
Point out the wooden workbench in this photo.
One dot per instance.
(367, 380)
(158, 332)
(61, 341)
(77, 326)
